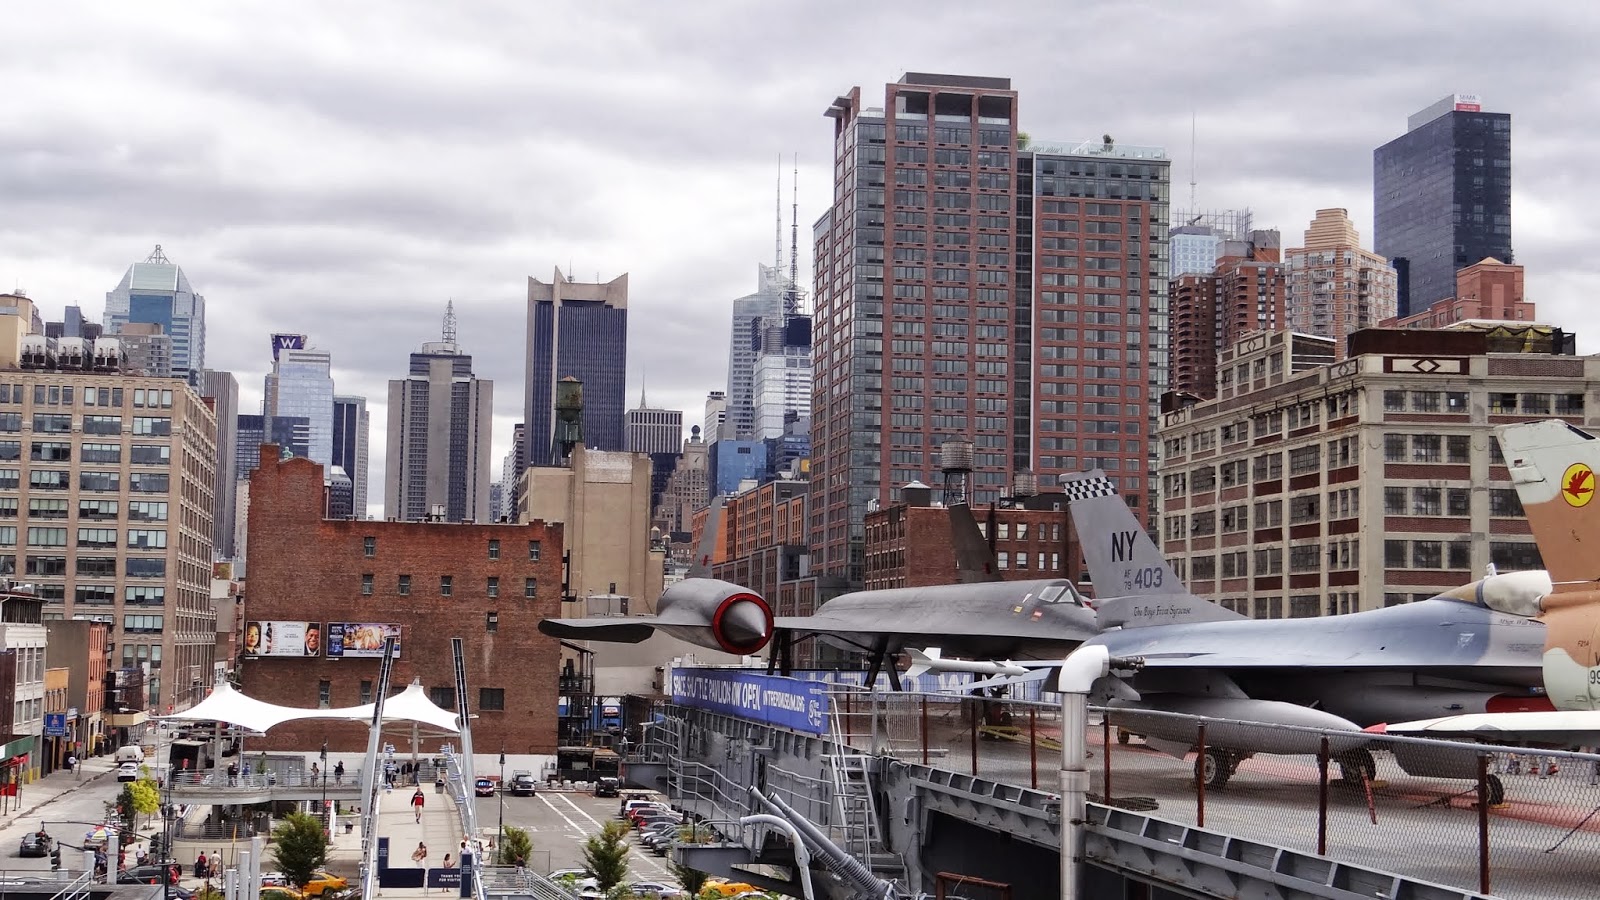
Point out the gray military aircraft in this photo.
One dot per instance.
(1465, 650)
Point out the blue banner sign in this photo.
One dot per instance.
(787, 702)
(55, 724)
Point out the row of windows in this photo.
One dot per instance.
(447, 586)
(105, 594)
(62, 423)
(99, 510)
(61, 480)
(369, 549)
(61, 452)
(1431, 554)
(489, 699)
(91, 566)
(43, 536)
(61, 395)
(1503, 402)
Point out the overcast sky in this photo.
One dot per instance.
(344, 169)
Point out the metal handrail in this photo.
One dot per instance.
(218, 778)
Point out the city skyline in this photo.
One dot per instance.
(280, 239)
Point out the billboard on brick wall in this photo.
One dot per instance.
(789, 702)
(358, 640)
(277, 638)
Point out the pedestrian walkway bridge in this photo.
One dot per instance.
(217, 787)
(925, 788)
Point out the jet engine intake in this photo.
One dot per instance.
(742, 623)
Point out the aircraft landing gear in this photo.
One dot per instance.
(1354, 765)
(1496, 791)
(1216, 767)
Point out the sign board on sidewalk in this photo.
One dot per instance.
(55, 724)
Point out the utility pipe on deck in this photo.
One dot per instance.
(802, 855)
(1079, 671)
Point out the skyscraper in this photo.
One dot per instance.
(292, 433)
(1245, 291)
(511, 473)
(221, 391)
(654, 431)
(781, 380)
(580, 330)
(1336, 287)
(157, 292)
(440, 417)
(1441, 197)
(971, 286)
(715, 423)
(350, 427)
(751, 315)
(301, 384)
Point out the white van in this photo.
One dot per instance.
(130, 753)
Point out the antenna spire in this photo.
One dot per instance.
(642, 378)
(1192, 163)
(777, 217)
(157, 256)
(450, 321)
(793, 303)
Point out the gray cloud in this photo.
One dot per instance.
(344, 170)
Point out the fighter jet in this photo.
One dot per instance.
(1463, 651)
(1552, 467)
(707, 612)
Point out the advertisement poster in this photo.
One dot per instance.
(790, 702)
(282, 639)
(360, 640)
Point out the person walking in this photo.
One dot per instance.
(416, 803)
(338, 773)
(448, 862)
(420, 855)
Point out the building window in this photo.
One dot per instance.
(491, 622)
(491, 699)
(443, 697)
(404, 587)
(369, 547)
(446, 585)
(366, 691)
(324, 694)
(533, 550)
(530, 588)
(1503, 503)
(366, 585)
(493, 588)
(494, 549)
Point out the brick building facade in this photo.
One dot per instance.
(489, 584)
(912, 546)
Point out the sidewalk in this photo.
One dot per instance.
(440, 829)
(58, 784)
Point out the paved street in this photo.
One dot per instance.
(561, 822)
(65, 804)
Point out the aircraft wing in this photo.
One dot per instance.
(619, 629)
(1580, 727)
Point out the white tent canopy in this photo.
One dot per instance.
(225, 704)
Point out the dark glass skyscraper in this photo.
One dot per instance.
(1441, 197)
(580, 330)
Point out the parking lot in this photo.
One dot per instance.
(559, 822)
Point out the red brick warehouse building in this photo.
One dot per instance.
(489, 584)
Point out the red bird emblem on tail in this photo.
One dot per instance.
(1577, 484)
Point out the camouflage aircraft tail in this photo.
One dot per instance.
(705, 551)
(1134, 584)
(1553, 467)
(974, 558)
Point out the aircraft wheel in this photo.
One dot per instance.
(1214, 768)
(1123, 737)
(1357, 763)
(1496, 790)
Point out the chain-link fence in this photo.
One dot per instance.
(1405, 805)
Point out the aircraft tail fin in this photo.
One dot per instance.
(974, 560)
(705, 551)
(1553, 466)
(1122, 558)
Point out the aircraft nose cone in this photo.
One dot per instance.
(744, 623)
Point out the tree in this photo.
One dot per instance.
(515, 849)
(302, 849)
(691, 880)
(146, 796)
(127, 806)
(606, 855)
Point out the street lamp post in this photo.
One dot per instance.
(166, 842)
(501, 840)
(327, 828)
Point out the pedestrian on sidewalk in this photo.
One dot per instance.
(315, 773)
(448, 862)
(416, 803)
(72, 762)
(420, 855)
(338, 773)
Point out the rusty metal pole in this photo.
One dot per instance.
(1322, 798)
(1483, 823)
(924, 729)
(977, 717)
(1033, 748)
(1200, 780)
(1105, 750)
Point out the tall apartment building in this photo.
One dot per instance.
(970, 288)
(1441, 197)
(440, 420)
(579, 330)
(221, 391)
(1198, 236)
(1304, 490)
(688, 488)
(1246, 291)
(1490, 290)
(511, 473)
(653, 431)
(301, 384)
(23, 641)
(156, 292)
(147, 348)
(350, 428)
(764, 546)
(716, 418)
(1336, 287)
(107, 483)
(291, 433)
(751, 316)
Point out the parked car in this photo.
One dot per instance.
(651, 817)
(128, 772)
(150, 874)
(36, 844)
(656, 889)
(607, 787)
(483, 787)
(523, 784)
(636, 798)
(644, 809)
(320, 881)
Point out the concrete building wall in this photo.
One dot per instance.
(307, 568)
(603, 500)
